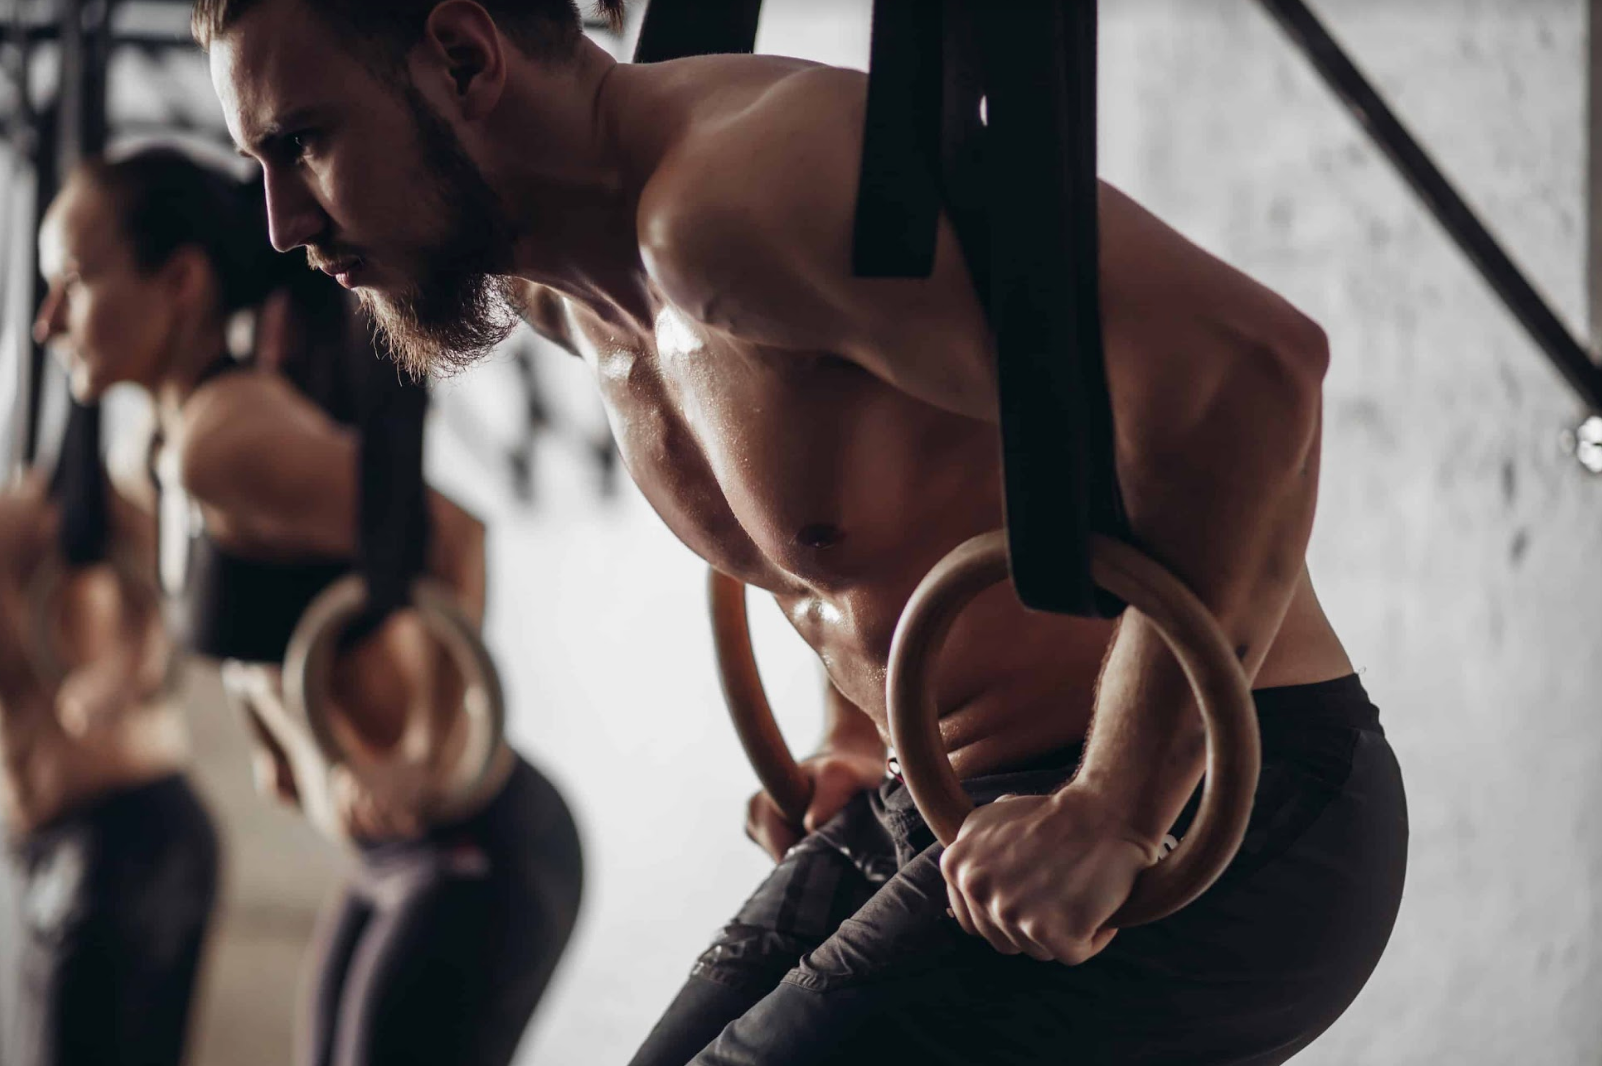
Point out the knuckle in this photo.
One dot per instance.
(827, 771)
(1073, 956)
(1008, 914)
(1004, 946)
(1078, 922)
(973, 881)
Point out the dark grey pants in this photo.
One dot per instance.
(846, 955)
(441, 948)
(115, 900)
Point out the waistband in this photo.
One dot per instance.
(160, 795)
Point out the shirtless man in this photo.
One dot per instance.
(114, 855)
(686, 227)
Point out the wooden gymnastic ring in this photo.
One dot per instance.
(748, 704)
(315, 645)
(139, 594)
(1222, 692)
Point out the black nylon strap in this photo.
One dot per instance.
(1021, 192)
(392, 510)
(963, 159)
(79, 485)
(675, 29)
(898, 194)
(1045, 301)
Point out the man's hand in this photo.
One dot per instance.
(1041, 875)
(836, 776)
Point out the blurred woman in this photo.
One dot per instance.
(114, 856)
(442, 944)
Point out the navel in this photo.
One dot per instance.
(820, 535)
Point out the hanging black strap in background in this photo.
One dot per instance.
(675, 29)
(80, 487)
(392, 510)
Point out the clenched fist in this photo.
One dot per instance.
(1041, 875)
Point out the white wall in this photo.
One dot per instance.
(1456, 549)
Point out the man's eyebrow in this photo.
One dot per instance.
(274, 131)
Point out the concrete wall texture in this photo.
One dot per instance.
(1456, 548)
(1456, 551)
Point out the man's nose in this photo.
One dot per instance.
(51, 320)
(293, 215)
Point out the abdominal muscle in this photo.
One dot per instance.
(46, 773)
(1014, 684)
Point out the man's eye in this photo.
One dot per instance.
(300, 144)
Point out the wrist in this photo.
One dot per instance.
(1115, 810)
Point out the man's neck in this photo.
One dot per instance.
(576, 213)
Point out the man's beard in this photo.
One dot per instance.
(464, 306)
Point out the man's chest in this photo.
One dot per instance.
(783, 468)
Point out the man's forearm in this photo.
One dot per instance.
(1147, 745)
(1146, 748)
(1241, 553)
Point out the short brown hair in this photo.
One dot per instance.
(543, 28)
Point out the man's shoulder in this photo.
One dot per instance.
(746, 143)
(748, 185)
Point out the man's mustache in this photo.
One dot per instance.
(331, 261)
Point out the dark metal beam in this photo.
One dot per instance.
(1571, 358)
(1593, 173)
(78, 130)
(45, 34)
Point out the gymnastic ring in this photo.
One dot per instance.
(314, 647)
(139, 595)
(1222, 693)
(759, 734)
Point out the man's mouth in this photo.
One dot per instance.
(344, 270)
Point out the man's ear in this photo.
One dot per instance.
(462, 54)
